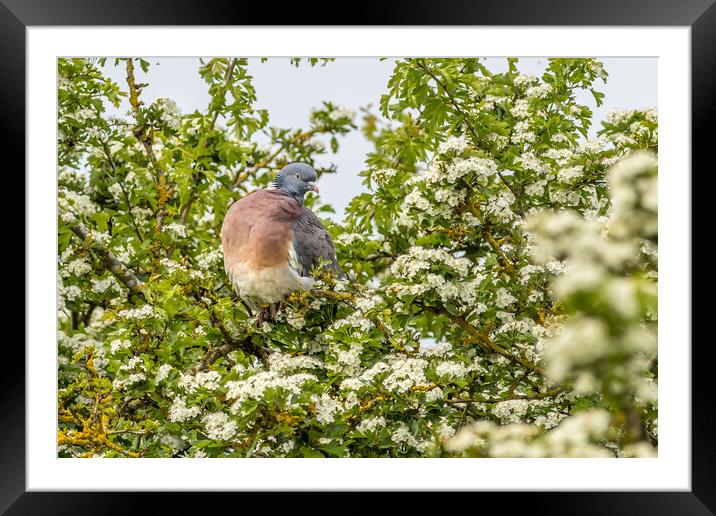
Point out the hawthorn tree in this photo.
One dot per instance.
(501, 268)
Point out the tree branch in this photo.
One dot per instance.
(231, 343)
(146, 137)
(540, 396)
(484, 340)
(121, 271)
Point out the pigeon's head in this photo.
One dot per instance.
(296, 179)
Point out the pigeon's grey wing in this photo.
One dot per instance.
(311, 244)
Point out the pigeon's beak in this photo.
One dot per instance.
(313, 186)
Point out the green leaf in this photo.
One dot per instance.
(310, 453)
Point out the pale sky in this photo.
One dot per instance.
(289, 93)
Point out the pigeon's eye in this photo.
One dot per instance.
(297, 176)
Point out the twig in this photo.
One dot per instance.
(227, 79)
(133, 432)
(214, 354)
(124, 191)
(540, 396)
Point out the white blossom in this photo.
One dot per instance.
(219, 426)
(162, 372)
(176, 229)
(452, 144)
(341, 113)
(118, 344)
(503, 298)
(208, 380)
(326, 408)
(371, 425)
(451, 369)
(170, 112)
(137, 314)
(179, 411)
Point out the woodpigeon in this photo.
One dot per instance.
(272, 242)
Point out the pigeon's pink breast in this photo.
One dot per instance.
(257, 236)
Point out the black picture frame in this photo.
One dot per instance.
(16, 15)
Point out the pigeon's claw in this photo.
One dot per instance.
(260, 315)
(275, 309)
